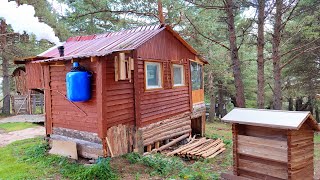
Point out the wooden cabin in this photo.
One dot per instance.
(147, 88)
(270, 144)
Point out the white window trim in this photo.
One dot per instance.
(159, 74)
(182, 75)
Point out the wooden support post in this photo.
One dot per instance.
(149, 147)
(157, 145)
(47, 99)
(100, 91)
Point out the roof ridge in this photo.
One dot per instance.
(108, 34)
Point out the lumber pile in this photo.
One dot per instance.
(200, 148)
(172, 127)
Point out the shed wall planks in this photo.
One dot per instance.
(157, 105)
(119, 105)
(64, 113)
(35, 76)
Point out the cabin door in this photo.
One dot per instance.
(197, 82)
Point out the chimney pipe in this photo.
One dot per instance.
(160, 11)
(61, 50)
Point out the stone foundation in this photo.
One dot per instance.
(88, 144)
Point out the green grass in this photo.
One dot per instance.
(8, 127)
(28, 159)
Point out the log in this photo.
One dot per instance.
(199, 147)
(165, 125)
(212, 151)
(191, 143)
(215, 143)
(149, 147)
(165, 129)
(187, 114)
(171, 143)
(167, 135)
(193, 146)
(218, 152)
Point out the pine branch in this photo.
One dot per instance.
(206, 37)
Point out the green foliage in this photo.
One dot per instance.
(28, 159)
(160, 164)
(8, 127)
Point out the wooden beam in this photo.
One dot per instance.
(101, 94)
(47, 96)
(149, 147)
(94, 58)
(157, 145)
(137, 96)
(171, 143)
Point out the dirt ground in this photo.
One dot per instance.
(7, 138)
(24, 118)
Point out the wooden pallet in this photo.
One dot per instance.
(200, 148)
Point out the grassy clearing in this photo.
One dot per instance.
(27, 159)
(8, 127)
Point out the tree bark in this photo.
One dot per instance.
(290, 107)
(220, 99)
(5, 72)
(277, 96)
(260, 56)
(317, 114)
(240, 99)
(212, 111)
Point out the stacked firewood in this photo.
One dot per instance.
(200, 148)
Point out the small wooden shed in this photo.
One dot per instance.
(271, 144)
(147, 88)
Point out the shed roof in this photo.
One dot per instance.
(271, 118)
(107, 43)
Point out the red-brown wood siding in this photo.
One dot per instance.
(66, 115)
(156, 105)
(35, 76)
(119, 107)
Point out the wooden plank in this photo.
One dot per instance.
(137, 96)
(47, 93)
(101, 90)
(279, 171)
(262, 152)
(171, 143)
(262, 141)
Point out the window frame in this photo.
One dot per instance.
(160, 74)
(202, 75)
(183, 74)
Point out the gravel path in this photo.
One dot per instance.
(7, 138)
(24, 118)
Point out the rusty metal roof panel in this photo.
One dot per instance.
(103, 44)
(79, 46)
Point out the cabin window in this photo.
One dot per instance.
(196, 76)
(178, 75)
(153, 75)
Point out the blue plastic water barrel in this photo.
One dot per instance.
(78, 84)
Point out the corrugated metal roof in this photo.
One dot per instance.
(107, 43)
(102, 44)
(270, 118)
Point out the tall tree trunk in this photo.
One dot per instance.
(290, 107)
(260, 56)
(212, 111)
(5, 72)
(220, 99)
(317, 114)
(240, 99)
(277, 101)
